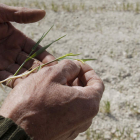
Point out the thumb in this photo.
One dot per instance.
(65, 71)
(19, 14)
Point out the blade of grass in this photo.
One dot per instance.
(17, 70)
(36, 45)
(37, 53)
(82, 60)
(66, 58)
(43, 48)
(41, 66)
(60, 58)
(85, 60)
(29, 72)
(34, 55)
(33, 49)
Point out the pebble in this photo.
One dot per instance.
(138, 111)
(107, 79)
(118, 134)
(113, 130)
(86, 54)
(108, 127)
(126, 75)
(129, 56)
(98, 131)
(107, 136)
(135, 105)
(137, 125)
(134, 136)
(138, 130)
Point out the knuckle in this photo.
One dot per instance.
(51, 72)
(67, 62)
(21, 9)
(21, 16)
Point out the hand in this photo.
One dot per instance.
(57, 102)
(14, 45)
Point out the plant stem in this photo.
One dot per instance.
(41, 66)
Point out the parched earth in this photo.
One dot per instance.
(109, 31)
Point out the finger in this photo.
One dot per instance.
(76, 82)
(43, 57)
(65, 71)
(88, 76)
(19, 14)
(5, 74)
(93, 85)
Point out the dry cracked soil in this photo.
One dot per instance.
(108, 30)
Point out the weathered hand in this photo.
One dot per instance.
(14, 45)
(57, 102)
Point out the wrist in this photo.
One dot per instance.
(10, 130)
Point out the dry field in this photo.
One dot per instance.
(108, 30)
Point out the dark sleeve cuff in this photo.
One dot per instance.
(11, 131)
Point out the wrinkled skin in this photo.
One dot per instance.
(14, 45)
(56, 103)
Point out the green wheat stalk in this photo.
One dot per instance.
(34, 54)
(29, 56)
(41, 66)
(33, 49)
